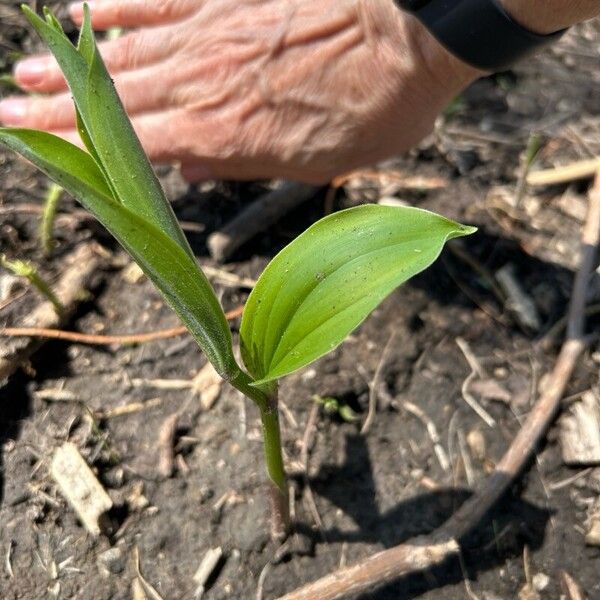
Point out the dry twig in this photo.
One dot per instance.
(429, 551)
(103, 340)
(166, 442)
(374, 384)
(579, 170)
(257, 217)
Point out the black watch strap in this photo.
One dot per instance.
(479, 32)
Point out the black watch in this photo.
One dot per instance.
(479, 32)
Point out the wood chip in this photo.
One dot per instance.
(592, 537)
(579, 170)
(257, 217)
(490, 389)
(476, 443)
(580, 432)
(132, 273)
(571, 587)
(166, 442)
(518, 300)
(206, 569)
(207, 383)
(143, 590)
(80, 487)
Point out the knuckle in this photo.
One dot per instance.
(123, 51)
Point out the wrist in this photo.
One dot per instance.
(443, 67)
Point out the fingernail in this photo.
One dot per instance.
(76, 10)
(13, 111)
(31, 71)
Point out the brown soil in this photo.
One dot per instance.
(371, 492)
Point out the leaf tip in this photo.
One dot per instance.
(29, 14)
(462, 231)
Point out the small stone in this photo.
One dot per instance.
(540, 581)
(476, 443)
(111, 562)
(132, 273)
(592, 537)
(136, 499)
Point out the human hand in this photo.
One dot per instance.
(239, 89)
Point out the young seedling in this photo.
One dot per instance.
(308, 299)
(23, 268)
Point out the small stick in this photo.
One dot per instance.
(377, 569)
(307, 442)
(166, 440)
(374, 385)
(432, 431)
(257, 217)
(578, 170)
(104, 340)
(426, 552)
(206, 569)
(571, 587)
(470, 400)
(476, 370)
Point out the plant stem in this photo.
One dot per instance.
(269, 415)
(280, 514)
(47, 223)
(23, 268)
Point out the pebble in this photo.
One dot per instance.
(540, 581)
(111, 561)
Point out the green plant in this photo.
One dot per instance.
(308, 299)
(24, 268)
(47, 222)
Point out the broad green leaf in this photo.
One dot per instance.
(165, 263)
(327, 281)
(105, 128)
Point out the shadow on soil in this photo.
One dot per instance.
(503, 533)
(16, 404)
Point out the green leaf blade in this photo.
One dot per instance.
(166, 264)
(328, 280)
(122, 156)
(105, 127)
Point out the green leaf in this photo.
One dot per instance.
(166, 264)
(105, 128)
(327, 281)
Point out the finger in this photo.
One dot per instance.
(41, 74)
(144, 90)
(134, 13)
(56, 112)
